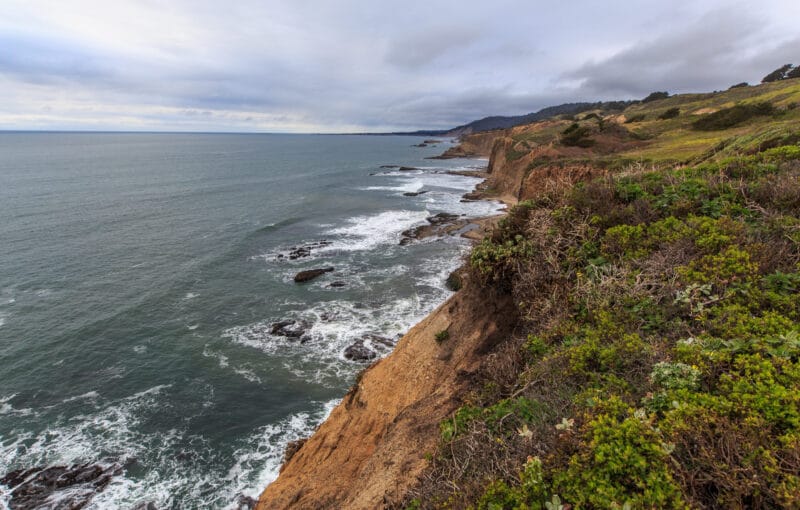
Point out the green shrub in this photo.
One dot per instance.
(577, 136)
(621, 460)
(655, 96)
(733, 116)
(442, 336)
(670, 114)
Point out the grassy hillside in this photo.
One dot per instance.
(656, 363)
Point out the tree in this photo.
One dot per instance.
(654, 96)
(778, 74)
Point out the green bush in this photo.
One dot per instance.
(655, 96)
(733, 116)
(442, 336)
(577, 136)
(670, 114)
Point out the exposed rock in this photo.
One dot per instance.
(299, 252)
(291, 449)
(337, 284)
(407, 168)
(443, 217)
(378, 339)
(243, 502)
(359, 352)
(439, 225)
(432, 141)
(454, 281)
(304, 276)
(76, 484)
(288, 328)
(390, 166)
(420, 145)
(414, 193)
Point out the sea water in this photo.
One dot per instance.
(140, 275)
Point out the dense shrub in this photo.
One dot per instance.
(729, 117)
(670, 114)
(778, 74)
(655, 96)
(577, 136)
(739, 85)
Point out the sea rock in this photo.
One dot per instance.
(407, 168)
(359, 352)
(441, 218)
(378, 339)
(432, 141)
(390, 166)
(420, 145)
(243, 502)
(337, 284)
(302, 251)
(414, 193)
(304, 276)
(288, 329)
(439, 225)
(76, 484)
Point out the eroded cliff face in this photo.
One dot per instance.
(474, 145)
(372, 448)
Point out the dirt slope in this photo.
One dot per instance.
(372, 447)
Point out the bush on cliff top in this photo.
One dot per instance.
(660, 360)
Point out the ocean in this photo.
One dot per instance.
(140, 278)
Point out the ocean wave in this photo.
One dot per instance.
(410, 186)
(361, 233)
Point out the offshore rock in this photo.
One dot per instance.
(75, 484)
(359, 352)
(304, 276)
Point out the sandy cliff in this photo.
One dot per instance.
(371, 449)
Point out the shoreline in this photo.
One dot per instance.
(351, 434)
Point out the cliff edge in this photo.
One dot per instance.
(372, 448)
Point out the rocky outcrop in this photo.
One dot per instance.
(72, 486)
(310, 274)
(371, 449)
(474, 145)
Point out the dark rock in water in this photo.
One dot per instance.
(337, 284)
(299, 252)
(304, 276)
(432, 141)
(420, 145)
(77, 484)
(289, 329)
(243, 502)
(377, 339)
(390, 166)
(407, 168)
(442, 217)
(414, 193)
(359, 352)
(147, 505)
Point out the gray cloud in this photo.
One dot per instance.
(320, 66)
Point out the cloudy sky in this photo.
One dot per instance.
(353, 65)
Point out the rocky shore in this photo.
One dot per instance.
(371, 448)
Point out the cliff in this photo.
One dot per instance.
(635, 334)
(372, 448)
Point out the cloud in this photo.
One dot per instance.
(721, 48)
(356, 65)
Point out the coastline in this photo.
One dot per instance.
(376, 439)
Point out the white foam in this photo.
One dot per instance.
(369, 232)
(405, 187)
(190, 295)
(90, 395)
(258, 464)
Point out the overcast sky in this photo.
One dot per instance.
(349, 65)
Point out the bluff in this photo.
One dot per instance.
(627, 336)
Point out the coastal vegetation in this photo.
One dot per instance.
(655, 362)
